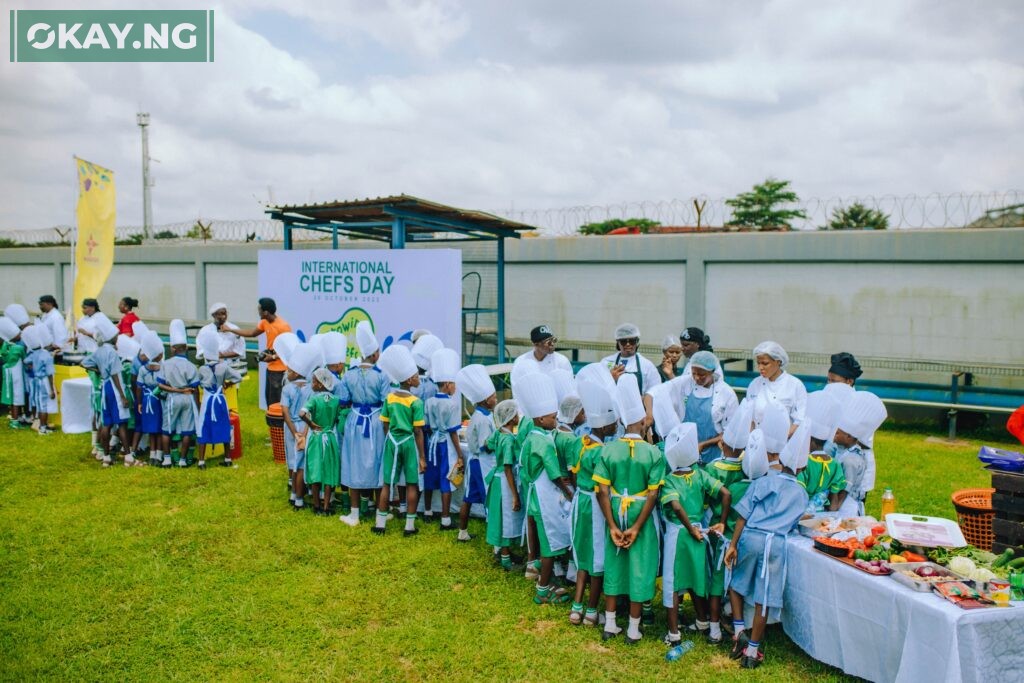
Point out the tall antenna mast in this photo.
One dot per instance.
(142, 118)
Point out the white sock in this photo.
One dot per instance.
(463, 535)
(609, 622)
(674, 636)
(716, 629)
(202, 461)
(158, 455)
(559, 569)
(752, 649)
(299, 502)
(701, 625)
(428, 514)
(447, 521)
(634, 628)
(410, 522)
(291, 497)
(382, 518)
(354, 513)
(403, 508)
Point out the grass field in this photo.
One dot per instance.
(140, 574)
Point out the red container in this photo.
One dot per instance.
(235, 446)
(275, 420)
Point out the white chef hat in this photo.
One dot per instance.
(284, 344)
(44, 335)
(669, 341)
(127, 348)
(365, 339)
(208, 344)
(334, 346)
(598, 404)
(17, 314)
(823, 410)
(737, 429)
(773, 349)
(862, 415)
(504, 412)
(444, 365)
(627, 396)
(755, 457)
(8, 329)
(152, 346)
(599, 374)
(139, 328)
(569, 409)
(214, 307)
(840, 391)
(476, 385)
(397, 363)
(794, 454)
(30, 338)
(416, 334)
(626, 331)
(325, 377)
(303, 359)
(105, 330)
(423, 350)
(665, 416)
(536, 394)
(775, 426)
(681, 448)
(564, 383)
(177, 332)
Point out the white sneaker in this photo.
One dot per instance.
(183, 463)
(129, 461)
(352, 518)
(107, 461)
(97, 453)
(166, 462)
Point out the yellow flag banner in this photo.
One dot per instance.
(96, 213)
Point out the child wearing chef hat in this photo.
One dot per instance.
(476, 385)
(767, 512)
(115, 405)
(179, 379)
(862, 415)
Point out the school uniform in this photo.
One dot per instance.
(504, 525)
(441, 413)
(588, 526)
(151, 408)
(179, 409)
(719, 544)
(294, 397)
(403, 413)
(214, 422)
(12, 392)
(567, 448)
(481, 460)
(42, 373)
(771, 507)
(545, 503)
(684, 561)
(854, 463)
(822, 477)
(363, 389)
(322, 456)
(107, 365)
(630, 468)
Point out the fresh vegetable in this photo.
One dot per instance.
(878, 530)
(1004, 558)
(1016, 564)
(925, 571)
(898, 559)
(861, 555)
(963, 566)
(981, 574)
(869, 542)
(913, 557)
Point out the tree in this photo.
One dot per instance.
(605, 227)
(760, 208)
(856, 216)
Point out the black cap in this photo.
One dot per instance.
(845, 365)
(48, 299)
(540, 333)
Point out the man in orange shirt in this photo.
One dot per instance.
(272, 325)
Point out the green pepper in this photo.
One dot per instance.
(862, 555)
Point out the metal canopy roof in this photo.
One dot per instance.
(418, 220)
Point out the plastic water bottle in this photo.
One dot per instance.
(676, 652)
(888, 503)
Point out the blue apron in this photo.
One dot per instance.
(698, 411)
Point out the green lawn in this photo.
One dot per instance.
(142, 573)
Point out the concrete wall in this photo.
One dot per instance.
(924, 295)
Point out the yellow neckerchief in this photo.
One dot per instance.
(728, 466)
(589, 443)
(632, 441)
(826, 467)
(688, 476)
(626, 501)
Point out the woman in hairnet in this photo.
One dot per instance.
(704, 398)
(628, 360)
(671, 352)
(775, 384)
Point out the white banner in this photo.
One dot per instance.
(398, 291)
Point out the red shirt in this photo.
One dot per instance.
(125, 325)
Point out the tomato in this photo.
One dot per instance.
(913, 557)
(869, 542)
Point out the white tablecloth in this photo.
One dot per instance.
(76, 406)
(878, 629)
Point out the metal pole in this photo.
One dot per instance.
(398, 233)
(147, 210)
(501, 300)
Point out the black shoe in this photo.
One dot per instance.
(226, 463)
(201, 466)
(447, 527)
(714, 641)
(377, 530)
(632, 641)
(752, 662)
(739, 646)
(608, 635)
(410, 532)
(297, 508)
(647, 617)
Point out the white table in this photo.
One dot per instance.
(76, 405)
(878, 629)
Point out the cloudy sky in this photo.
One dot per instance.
(529, 104)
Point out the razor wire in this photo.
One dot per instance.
(904, 212)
